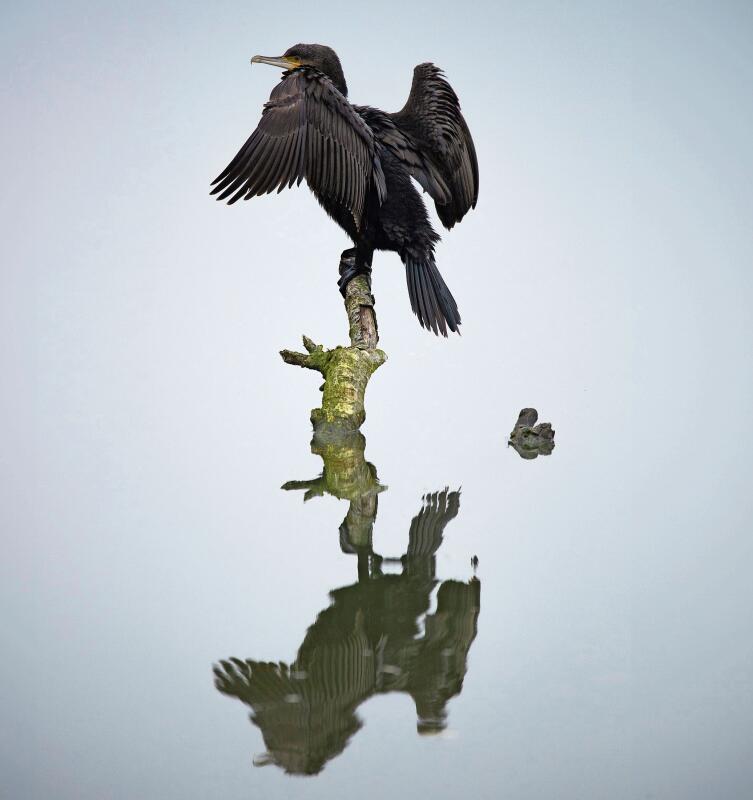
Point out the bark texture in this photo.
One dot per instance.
(529, 439)
(346, 370)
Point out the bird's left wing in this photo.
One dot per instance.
(307, 130)
(427, 527)
(432, 122)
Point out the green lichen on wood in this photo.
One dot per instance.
(348, 476)
(346, 370)
(345, 474)
(529, 439)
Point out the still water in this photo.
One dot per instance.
(380, 634)
(195, 603)
(219, 626)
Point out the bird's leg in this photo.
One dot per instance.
(347, 268)
(353, 262)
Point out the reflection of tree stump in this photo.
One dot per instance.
(346, 370)
(348, 476)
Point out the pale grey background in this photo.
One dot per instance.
(147, 421)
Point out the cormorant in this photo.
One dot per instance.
(358, 161)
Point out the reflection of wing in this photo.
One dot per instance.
(427, 527)
(367, 641)
(306, 712)
(441, 662)
(307, 130)
(432, 121)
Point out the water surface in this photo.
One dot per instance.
(603, 644)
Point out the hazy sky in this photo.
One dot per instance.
(147, 420)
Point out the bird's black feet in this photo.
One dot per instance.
(350, 268)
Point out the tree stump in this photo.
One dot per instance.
(346, 370)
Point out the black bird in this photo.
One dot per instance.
(358, 161)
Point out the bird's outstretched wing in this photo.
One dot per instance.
(427, 527)
(447, 167)
(307, 130)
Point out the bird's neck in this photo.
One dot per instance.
(339, 81)
(335, 75)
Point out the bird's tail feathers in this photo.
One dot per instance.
(431, 300)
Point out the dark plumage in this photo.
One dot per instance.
(358, 161)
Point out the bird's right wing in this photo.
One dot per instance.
(307, 130)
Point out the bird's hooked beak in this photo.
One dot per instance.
(284, 62)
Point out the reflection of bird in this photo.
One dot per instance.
(359, 161)
(368, 641)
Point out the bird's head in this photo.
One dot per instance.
(318, 56)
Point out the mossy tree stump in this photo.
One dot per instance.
(346, 475)
(346, 370)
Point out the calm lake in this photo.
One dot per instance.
(190, 609)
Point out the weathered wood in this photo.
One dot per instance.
(359, 305)
(346, 370)
(529, 439)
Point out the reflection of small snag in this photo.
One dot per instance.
(528, 438)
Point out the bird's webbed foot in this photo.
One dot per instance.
(350, 267)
